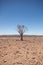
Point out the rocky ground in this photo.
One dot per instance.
(16, 52)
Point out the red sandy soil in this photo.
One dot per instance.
(16, 52)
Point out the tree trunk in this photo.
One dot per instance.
(21, 37)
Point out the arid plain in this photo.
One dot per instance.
(16, 52)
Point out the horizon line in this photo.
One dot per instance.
(17, 35)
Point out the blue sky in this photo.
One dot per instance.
(27, 12)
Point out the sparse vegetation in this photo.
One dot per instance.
(21, 29)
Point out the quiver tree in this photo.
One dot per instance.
(21, 30)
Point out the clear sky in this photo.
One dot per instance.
(26, 12)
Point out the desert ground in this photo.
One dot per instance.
(16, 52)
